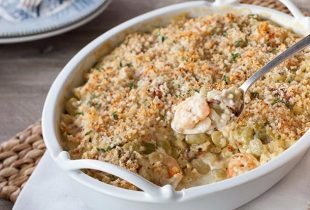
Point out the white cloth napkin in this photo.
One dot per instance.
(50, 188)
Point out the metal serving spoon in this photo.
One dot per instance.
(273, 63)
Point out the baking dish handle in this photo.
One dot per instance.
(295, 11)
(155, 192)
(298, 15)
(218, 3)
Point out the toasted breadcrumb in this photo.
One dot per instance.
(122, 114)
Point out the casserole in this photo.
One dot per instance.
(248, 185)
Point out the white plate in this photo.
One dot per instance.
(77, 13)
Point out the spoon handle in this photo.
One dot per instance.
(276, 61)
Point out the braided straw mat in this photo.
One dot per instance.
(20, 155)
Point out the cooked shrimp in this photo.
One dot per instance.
(241, 163)
(191, 116)
(166, 169)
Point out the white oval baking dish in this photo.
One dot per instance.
(227, 194)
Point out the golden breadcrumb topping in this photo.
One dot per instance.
(123, 112)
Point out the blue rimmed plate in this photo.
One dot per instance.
(21, 23)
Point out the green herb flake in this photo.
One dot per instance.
(234, 56)
(241, 43)
(97, 106)
(162, 38)
(89, 103)
(225, 33)
(129, 65)
(254, 94)
(131, 85)
(286, 103)
(294, 69)
(290, 80)
(115, 116)
(254, 16)
(104, 149)
(88, 132)
(98, 69)
(226, 79)
(238, 43)
(275, 101)
(274, 50)
(78, 113)
(148, 147)
(120, 64)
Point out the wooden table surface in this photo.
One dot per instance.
(28, 69)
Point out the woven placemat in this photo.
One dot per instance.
(20, 155)
(18, 158)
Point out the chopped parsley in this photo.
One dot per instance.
(275, 101)
(128, 64)
(97, 106)
(162, 38)
(88, 132)
(234, 56)
(92, 102)
(274, 50)
(294, 69)
(148, 147)
(115, 116)
(290, 80)
(163, 117)
(241, 43)
(104, 149)
(78, 113)
(225, 33)
(278, 100)
(254, 16)
(288, 104)
(226, 79)
(131, 85)
(254, 94)
(238, 43)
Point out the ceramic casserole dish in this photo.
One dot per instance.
(226, 194)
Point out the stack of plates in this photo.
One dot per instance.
(26, 20)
